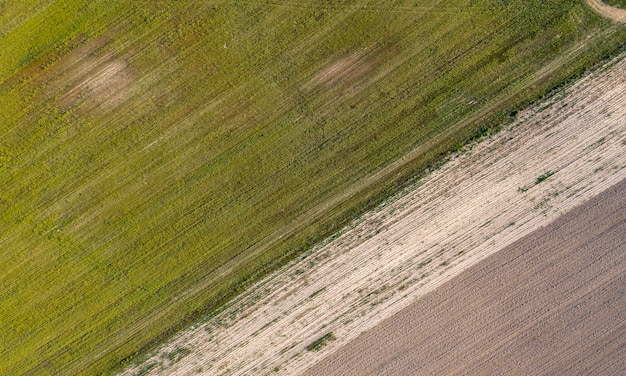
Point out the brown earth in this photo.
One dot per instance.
(553, 303)
(557, 155)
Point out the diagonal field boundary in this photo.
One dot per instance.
(556, 156)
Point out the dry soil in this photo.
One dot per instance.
(553, 303)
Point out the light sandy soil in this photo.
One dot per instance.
(86, 77)
(338, 69)
(346, 69)
(616, 14)
(481, 201)
(550, 304)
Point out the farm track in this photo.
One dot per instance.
(613, 13)
(556, 156)
(550, 304)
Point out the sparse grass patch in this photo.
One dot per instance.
(177, 354)
(321, 342)
(317, 292)
(424, 263)
(543, 177)
(146, 368)
(616, 3)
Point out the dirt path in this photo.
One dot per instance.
(607, 11)
(558, 155)
(550, 304)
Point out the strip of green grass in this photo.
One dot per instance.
(230, 149)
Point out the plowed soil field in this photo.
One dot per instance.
(550, 304)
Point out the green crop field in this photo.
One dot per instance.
(157, 157)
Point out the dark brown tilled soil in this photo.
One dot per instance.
(552, 303)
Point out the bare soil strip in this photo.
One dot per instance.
(554, 157)
(550, 304)
(616, 14)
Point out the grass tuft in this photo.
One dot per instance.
(319, 343)
(543, 177)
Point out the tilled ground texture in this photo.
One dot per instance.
(550, 304)
(554, 157)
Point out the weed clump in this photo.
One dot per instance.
(544, 177)
(321, 342)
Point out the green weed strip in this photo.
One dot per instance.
(157, 157)
(616, 3)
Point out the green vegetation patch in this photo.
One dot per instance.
(543, 177)
(616, 3)
(157, 157)
(321, 342)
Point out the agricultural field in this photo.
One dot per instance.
(563, 313)
(557, 155)
(158, 157)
